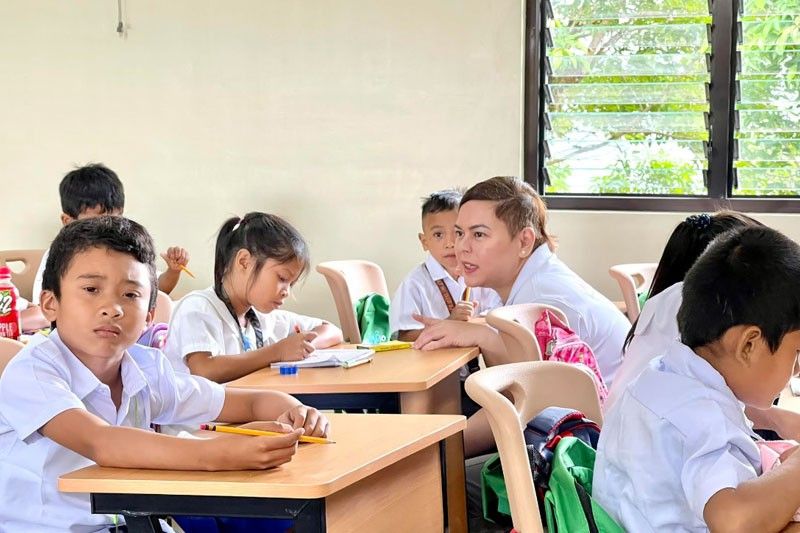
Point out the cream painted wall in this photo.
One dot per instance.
(338, 114)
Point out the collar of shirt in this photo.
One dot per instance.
(222, 310)
(437, 271)
(84, 382)
(537, 260)
(680, 359)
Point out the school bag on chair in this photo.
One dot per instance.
(568, 503)
(559, 343)
(155, 336)
(372, 314)
(542, 435)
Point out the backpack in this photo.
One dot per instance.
(559, 343)
(542, 435)
(372, 315)
(569, 506)
(155, 336)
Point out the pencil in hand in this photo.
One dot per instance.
(261, 433)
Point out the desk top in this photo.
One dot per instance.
(364, 445)
(391, 371)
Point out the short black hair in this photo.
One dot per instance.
(444, 200)
(91, 186)
(749, 276)
(111, 232)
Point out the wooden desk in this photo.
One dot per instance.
(397, 381)
(383, 474)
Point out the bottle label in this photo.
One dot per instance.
(6, 302)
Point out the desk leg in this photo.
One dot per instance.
(445, 398)
(142, 524)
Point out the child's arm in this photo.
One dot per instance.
(448, 333)
(175, 257)
(32, 319)
(327, 335)
(243, 405)
(766, 503)
(126, 447)
(784, 422)
(222, 368)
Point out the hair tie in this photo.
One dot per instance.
(236, 226)
(699, 222)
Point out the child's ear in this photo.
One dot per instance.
(151, 314)
(527, 239)
(49, 305)
(66, 219)
(423, 241)
(749, 343)
(243, 258)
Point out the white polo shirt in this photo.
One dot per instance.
(656, 329)
(201, 323)
(545, 279)
(676, 436)
(46, 379)
(418, 293)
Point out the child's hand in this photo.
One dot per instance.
(176, 257)
(298, 346)
(240, 452)
(312, 421)
(463, 311)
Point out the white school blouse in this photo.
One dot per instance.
(46, 379)
(201, 323)
(656, 329)
(545, 279)
(676, 436)
(419, 294)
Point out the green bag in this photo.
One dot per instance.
(372, 315)
(568, 503)
(494, 495)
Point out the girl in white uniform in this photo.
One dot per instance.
(234, 328)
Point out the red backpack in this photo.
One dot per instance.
(559, 343)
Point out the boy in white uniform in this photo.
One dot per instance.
(676, 452)
(87, 394)
(435, 288)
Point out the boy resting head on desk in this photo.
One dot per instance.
(87, 394)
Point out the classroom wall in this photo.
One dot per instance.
(337, 114)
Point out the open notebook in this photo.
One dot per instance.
(346, 357)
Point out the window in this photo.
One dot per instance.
(664, 104)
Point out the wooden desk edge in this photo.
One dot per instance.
(73, 482)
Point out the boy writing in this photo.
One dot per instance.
(435, 288)
(676, 451)
(91, 191)
(87, 394)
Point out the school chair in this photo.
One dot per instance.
(8, 349)
(515, 325)
(633, 279)
(164, 307)
(350, 280)
(513, 394)
(23, 279)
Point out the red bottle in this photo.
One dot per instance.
(9, 315)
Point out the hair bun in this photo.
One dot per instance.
(699, 222)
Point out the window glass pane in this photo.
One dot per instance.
(767, 155)
(626, 97)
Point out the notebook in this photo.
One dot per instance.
(330, 357)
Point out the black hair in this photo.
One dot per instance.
(444, 200)
(265, 236)
(749, 276)
(688, 240)
(111, 232)
(91, 186)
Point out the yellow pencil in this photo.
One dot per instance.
(466, 294)
(261, 433)
(186, 270)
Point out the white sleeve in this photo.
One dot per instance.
(185, 398)
(194, 327)
(407, 301)
(37, 281)
(713, 458)
(32, 393)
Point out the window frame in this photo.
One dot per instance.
(722, 93)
